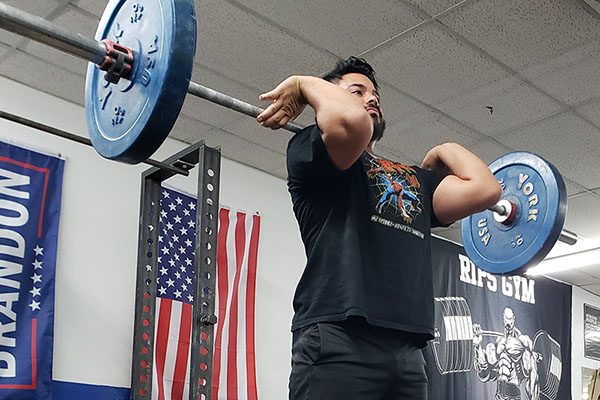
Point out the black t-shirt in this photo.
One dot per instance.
(366, 232)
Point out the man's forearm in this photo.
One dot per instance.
(337, 111)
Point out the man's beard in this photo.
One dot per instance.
(378, 129)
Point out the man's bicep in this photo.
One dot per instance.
(452, 200)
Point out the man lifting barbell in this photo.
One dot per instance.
(364, 304)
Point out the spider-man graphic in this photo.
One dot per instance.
(396, 189)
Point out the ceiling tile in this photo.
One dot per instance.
(399, 107)
(249, 129)
(95, 7)
(341, 38)
(35, 7)
(432, 66)
(56, 57)
(488, 150)
(211, 113)
(573, 188)
(243, 151)
(415, 141)
(219, 116)
(500, 106)
(521, 33)
(578, 220)
(234, 147)
(247, 49)
(281, 172)
(3, 50)
(35, 73)
(574, 277)
(593, 270)
(595, 288)
(74, 20)
(567, 141)
(591, 111)
(568, 76)
(190, 130)
(434, 7)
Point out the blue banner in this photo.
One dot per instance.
(30, 198)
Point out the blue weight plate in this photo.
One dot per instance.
(541, 201)
(128, 121)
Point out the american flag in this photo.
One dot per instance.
(234, 370)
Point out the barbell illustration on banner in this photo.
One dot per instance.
(139, 75)
(454, 345)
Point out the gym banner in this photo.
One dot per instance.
(30, 197)
(497, 337)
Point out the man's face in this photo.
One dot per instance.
(362, 87)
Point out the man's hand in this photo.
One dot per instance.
(288, 103)
(433, 162)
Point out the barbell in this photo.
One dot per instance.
(453, 346)
(139, 74)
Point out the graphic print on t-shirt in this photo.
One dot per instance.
(396, 189)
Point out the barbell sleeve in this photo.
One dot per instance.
(501, 209)
(43, 31)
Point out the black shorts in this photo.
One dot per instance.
(353, 360)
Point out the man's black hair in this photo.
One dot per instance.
(349, 65)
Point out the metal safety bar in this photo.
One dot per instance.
(79, 139)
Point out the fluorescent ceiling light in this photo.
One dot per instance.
(568, 261)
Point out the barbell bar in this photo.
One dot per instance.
(97, 52)
(139, 74)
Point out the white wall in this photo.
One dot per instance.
(580, 297)
(97, 249)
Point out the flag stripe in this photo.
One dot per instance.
(222, 279)
(232, 384)
(250, 295)
(242, 382)
(162, 338)
(155, 388)
(181, 365)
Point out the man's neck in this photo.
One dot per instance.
(371, 149)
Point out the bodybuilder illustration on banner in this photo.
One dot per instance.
(510, 359)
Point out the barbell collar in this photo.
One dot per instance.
(40, 30)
